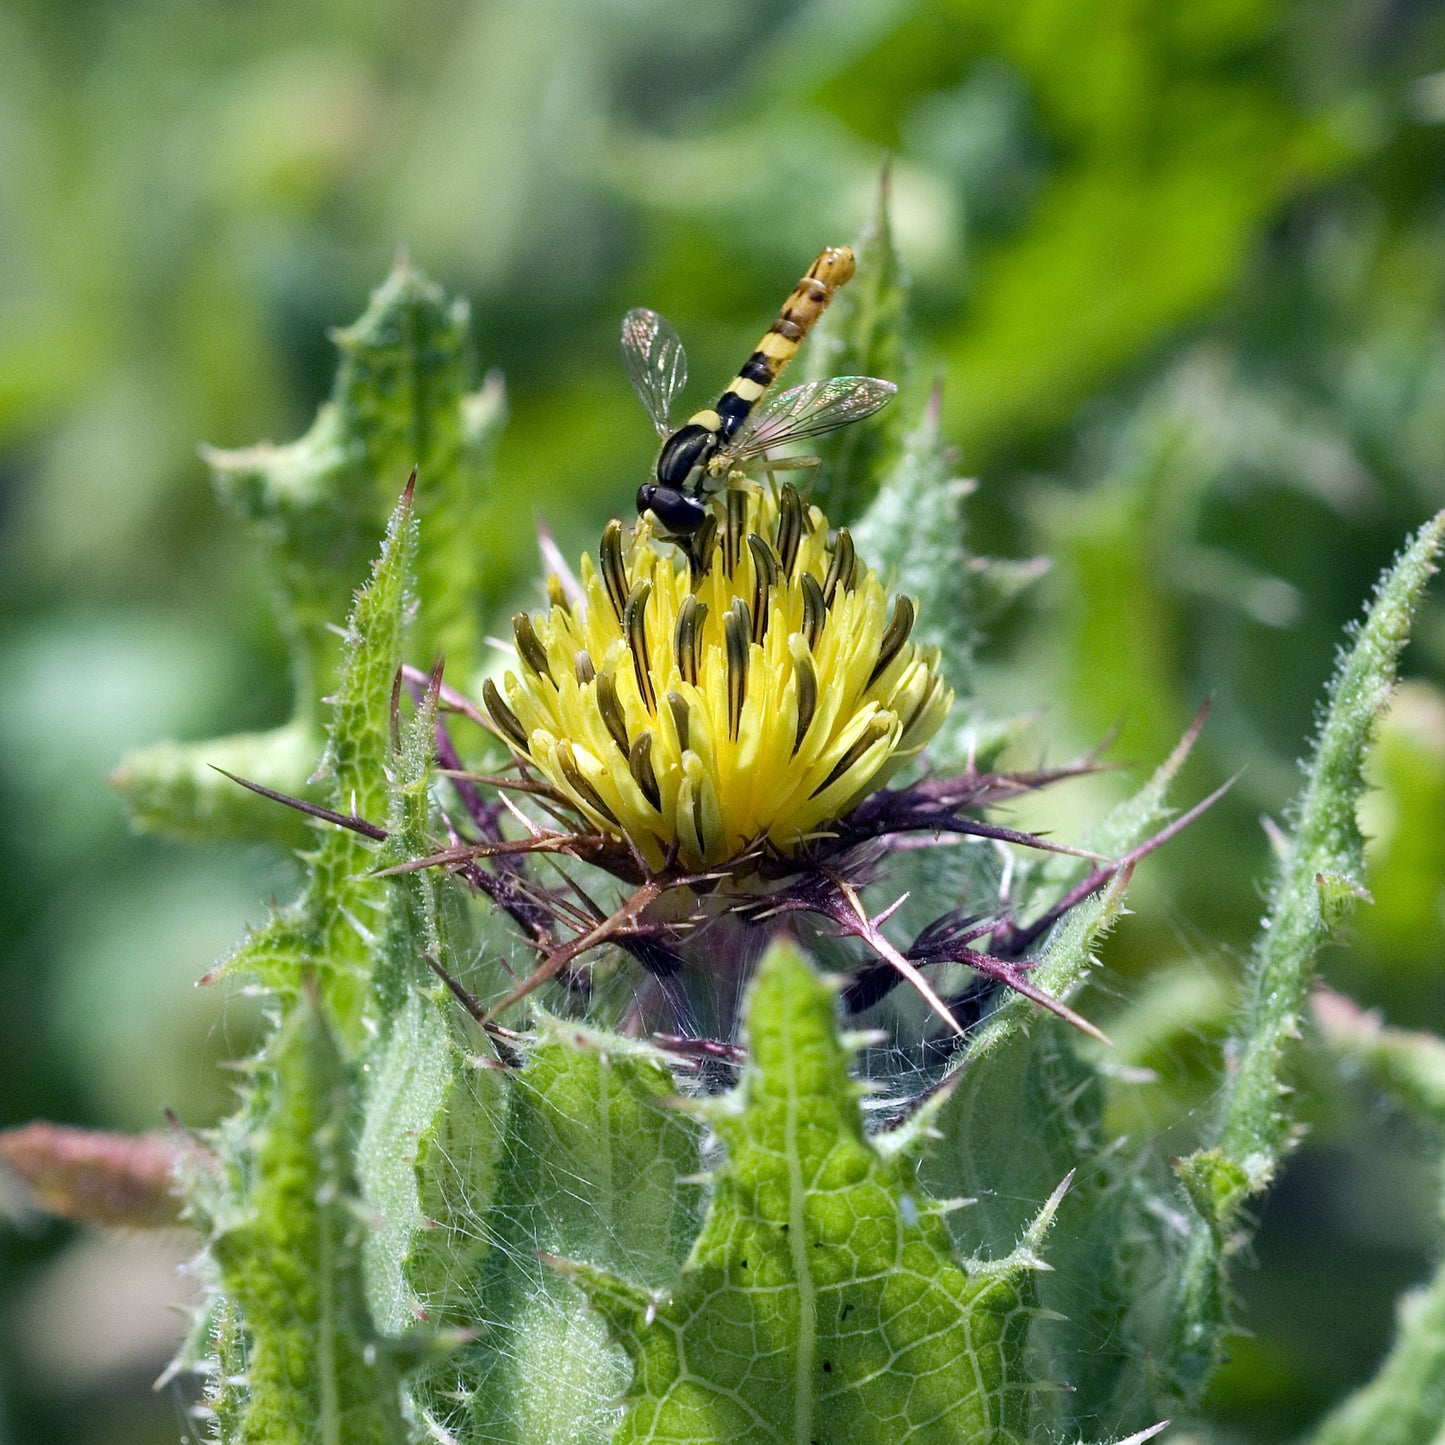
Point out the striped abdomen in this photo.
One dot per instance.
(693, 446)
(810, 296)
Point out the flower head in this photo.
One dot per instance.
(739, 695)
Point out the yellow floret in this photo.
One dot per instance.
(695, 707)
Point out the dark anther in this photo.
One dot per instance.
(766, 570)
(815, 611)
(506, 720)
(737, 515)
(807, 698)
(677, 705)
(894, 636)
(609, 705)
(790, 527)
(530, 648)
(865, 740)
(737, 634)
(934, 683)
(634, 629)
(567, 761)
(700, 547)
(639, 762)
(840, 570)
(687, 637)
(614, 572)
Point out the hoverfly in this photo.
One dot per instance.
(698, 456)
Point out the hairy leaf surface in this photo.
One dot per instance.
(823, 1300)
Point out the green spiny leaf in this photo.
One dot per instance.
(913, 536)
(328, 933)
(358, 741)
(1011, 1130)
(1255, 1123)
(402, 400)
(1216, 1184)
(1068, 956)
(318, 507)
(593, 1169)
(226, 1394)
(427, 1160)
(435, 1098)
(862, 334)
(823, 1300)
(292, 1262)
(1025, 1111)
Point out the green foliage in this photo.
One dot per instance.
(1320, 873)
(1069, 954)
(862, 334)
(914, 536)
(1024, 1111)
(537, 1228)
(1164, 173)
(402, 401)
(1407, 1067)
(1189, 311)
(328, 932)
(291, 1261)
(822, 1299)
(314, 1368)
(595, 1167)
(1405, 1402)
(434, 1106)
(427, 1088)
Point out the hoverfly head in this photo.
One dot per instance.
(678, 512)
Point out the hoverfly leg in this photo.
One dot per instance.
(792, 464)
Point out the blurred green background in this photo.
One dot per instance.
(1182, 267)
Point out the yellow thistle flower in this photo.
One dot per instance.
(696, 705)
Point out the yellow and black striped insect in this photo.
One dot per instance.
(699, 455)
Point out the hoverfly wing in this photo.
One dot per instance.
(811, 410)
(655, 362)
